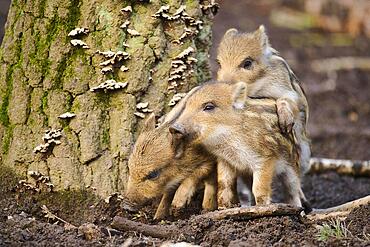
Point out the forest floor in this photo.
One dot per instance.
(339, 127)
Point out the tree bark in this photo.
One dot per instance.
(43, 76)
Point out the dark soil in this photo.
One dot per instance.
(339, 126)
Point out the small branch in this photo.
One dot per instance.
(156, 231)
(347, 167)
(323, 216)
(252, 212)
(50, 215)
(346, 206)
(338, 211)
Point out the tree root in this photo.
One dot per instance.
(340, 211)
(252, 212)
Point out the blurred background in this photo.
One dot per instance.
(327, 44)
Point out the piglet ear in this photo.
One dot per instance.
(239, 95)
(176, 111)
(230, 33)
(261, 35)
(178, 134)
(149, 123)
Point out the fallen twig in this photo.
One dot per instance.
(323, 216)
(50, 215)
(252, 212)
(346, 206)
(338, 211)
(348, 167)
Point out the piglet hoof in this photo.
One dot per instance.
(209, 205)
(263, 200)
(179, 202)
(285, 115)
(161, 214)
(307, 207)
(226, 199)
(183, 196)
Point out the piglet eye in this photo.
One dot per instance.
(218, 62)
(209, 107)
(153, 175)
(247, 63)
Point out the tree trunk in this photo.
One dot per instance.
(43, 76)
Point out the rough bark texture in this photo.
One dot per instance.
(43, 76)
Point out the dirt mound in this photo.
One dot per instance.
(358, 222)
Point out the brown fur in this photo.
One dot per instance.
(153, 152)
(268, 76)
(243, 133)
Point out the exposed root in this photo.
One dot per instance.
(340, 211)
(252, 212)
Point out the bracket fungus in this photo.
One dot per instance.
(78, 31)
(24, 185)
(106, 54)
(142, 108)
(39, 178)
(185, 53)
(106, 70)
(67, 115)
(163, 13)
(109, 85)
(50, 138)
(139, 114)
(123, 68)
(180, 66)
(133, 32)
(151, 71)
(192, 26)
(180, 13)
(39, 183)
(114, 59)
(125, 24)
(80, 43)
(188, 32)
(142, 105)
(176, 98)
(127, 9)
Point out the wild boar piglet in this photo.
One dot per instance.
(242, 132)
(249, 57)
(155, 172)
